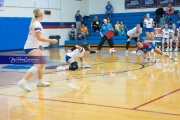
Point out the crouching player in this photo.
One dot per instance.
(72, 55)
(148, 49)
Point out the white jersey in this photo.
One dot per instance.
(149, 23)
(134, 32)
(32, 41)
(166, 33)
(172, 33)
(76, 53)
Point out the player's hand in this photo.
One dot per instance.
(41, 47)
(128, 39)
(53, 41)
(101, 35)
(132, 52)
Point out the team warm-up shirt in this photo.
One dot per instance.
(76, 53)
(146, 47)
(149, 23)
(32, 41)
(134, 32)
(166, 33)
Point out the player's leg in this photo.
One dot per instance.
(152, 36)
(33, 70)
(162, 53)
(170, 44)
(103, 39)
(69, 60)
(177, 44)
(163, 39)
(127, 44)
(167, 40)
(147, 35)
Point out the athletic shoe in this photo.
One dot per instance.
(42, 83)
(60, 68)
(74, 86)
(167, 50)
(97, 51)
(23, 86)
(175, 50)
(170, 49)
(83, 65)
(163, 49)
(127, 52)
(174, 59)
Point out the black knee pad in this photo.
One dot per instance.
(73, 66)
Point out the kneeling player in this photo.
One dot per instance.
(74, 53)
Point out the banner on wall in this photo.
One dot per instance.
(148, 3)
(130, 4)
(1, 4)
(177, 2)
(166, 2)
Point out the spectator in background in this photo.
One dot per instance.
(169, 12)
(109, 9)
(159, 13)
(84, 32)
(78, 21)
(72, 33)
(179, 17)
(109, 21)
(149, 28)
(96, 24)
(117, 28)
(142, 22)
(122, 28)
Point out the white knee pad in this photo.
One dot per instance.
(171, 40)
(152, 51)
(42, 68)
(33, 70)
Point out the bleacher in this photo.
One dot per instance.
(129, 19)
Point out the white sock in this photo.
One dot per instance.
(39, 80)
(23, 80)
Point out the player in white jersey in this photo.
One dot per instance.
(76, 52)
(165, 38)
(133, 34)
(149, 28)
(175, 35)
(32, 48)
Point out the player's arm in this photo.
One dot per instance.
(81, 59)
(139, 33)
(101, 31)
(135, 51)
(40, 38)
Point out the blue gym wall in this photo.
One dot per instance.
(13, 32)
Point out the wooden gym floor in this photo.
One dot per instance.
(117, 87)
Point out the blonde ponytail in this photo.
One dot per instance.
(36, 13)
(31, 27)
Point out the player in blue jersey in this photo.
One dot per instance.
(148, 49)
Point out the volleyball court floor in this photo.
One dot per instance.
(116, 87)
